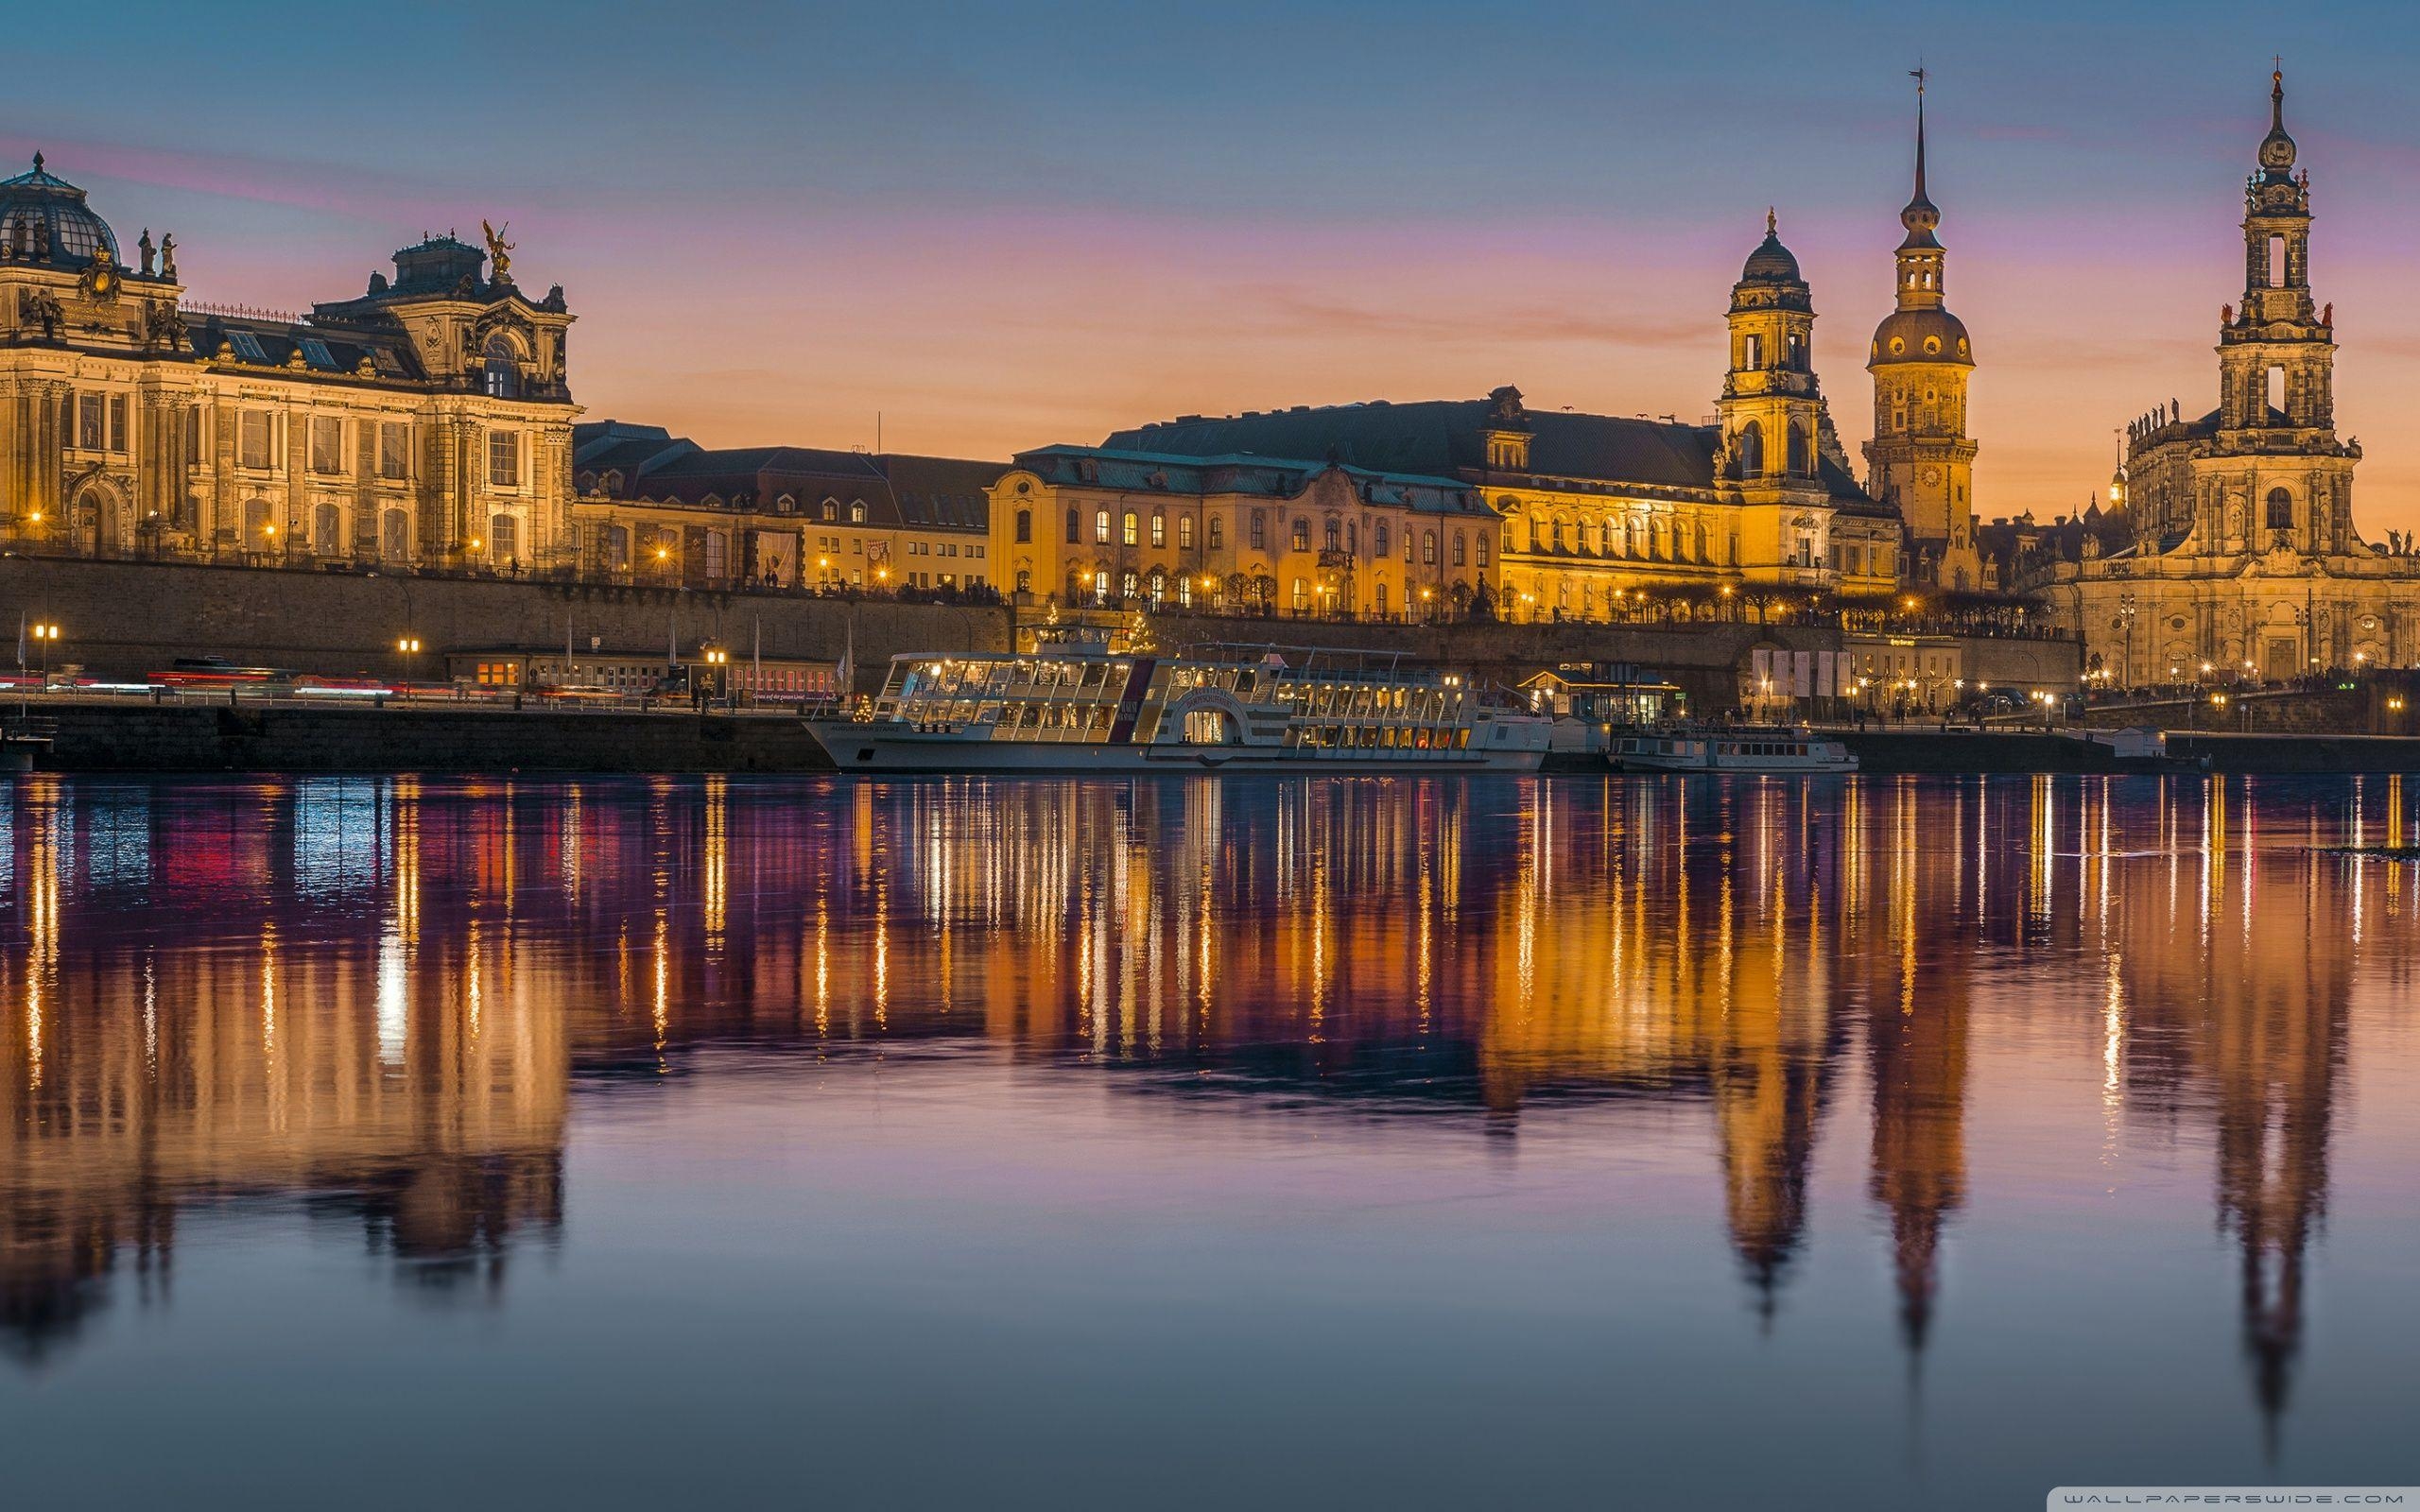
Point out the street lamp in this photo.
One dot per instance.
(47, 633)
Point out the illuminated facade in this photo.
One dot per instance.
(426, 421)
(1100, 525)
(1559, 515)
(1921, 460)
(650, 508)
(2241, 557)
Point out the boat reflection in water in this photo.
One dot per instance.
(399, 1003)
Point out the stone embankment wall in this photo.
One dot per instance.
(132, 737)
(124, 619)
(2370, 706)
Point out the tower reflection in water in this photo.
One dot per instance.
(379, 997)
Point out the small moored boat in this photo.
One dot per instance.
(1743, 748)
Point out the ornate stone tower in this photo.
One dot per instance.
(1771, 413)
(1921, 461)
(2276, 354)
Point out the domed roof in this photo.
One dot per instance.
(1931, 335)
(1771, 263)
(43, 219)
(2276, 149)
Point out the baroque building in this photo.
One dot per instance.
(2239, 555)
(426, 421)
(1921, 460)
(650, 508)
(1405, 510)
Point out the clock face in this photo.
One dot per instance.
(1932, 477)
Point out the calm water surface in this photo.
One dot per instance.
(1888, 1142)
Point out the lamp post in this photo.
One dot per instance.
(407, 647)
(47, 633)
(2126, 611)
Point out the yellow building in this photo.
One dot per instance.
(652, 507)
(1483, 505)
(2237, 551)
(428, 421)
(1097, 526)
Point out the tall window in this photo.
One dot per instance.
(1802, 451)
(1302, 535)
(1216, 532)
(504, 460)
(327, 444)
(1259, 531)
(1025, 526)
(327, 530)
(91, 422)
(2276, 394)
(394, 450)
(1753, 356)
(1185, 532)
(504, 538)
(1380, 546)
(503, 369)
(1075, 524)
(1130, 531)
(1482, 548)
(2281, 509)
(395, 536)
(1101, 526)
(252, 438)
(117, 422)
(2276, 262)
(1429, 549)
(1457, 548)
(1159, 529)
(1752, 450)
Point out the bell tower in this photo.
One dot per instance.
(1770, 415)
(1921, 461)
(2276, 354)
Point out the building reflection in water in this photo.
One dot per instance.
(377, 996)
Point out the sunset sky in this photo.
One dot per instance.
(1001, 227)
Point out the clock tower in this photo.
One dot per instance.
(1921, 461)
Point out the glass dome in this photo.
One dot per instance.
(43, 218)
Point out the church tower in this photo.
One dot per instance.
(1770, 416)
(2276, 354)
(1921, 461)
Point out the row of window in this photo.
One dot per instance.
(1339, 534)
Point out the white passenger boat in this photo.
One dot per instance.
(1746, 749)
(1080, 706)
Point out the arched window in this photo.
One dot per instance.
(1217, 532)
(1100, 527)
(327, 530)
(504, 538)
(503, 369)
(1159, 528)
(1075, 524)
(1302, 534)
(1701, 553)
(2281, 509)
(1802, 451)
(1378, 599)
(1185, 532)
(1797, 352)
(1752, 450)
(856, 513)
(1385, 541)
(396, 535)
(1130, 532)
(828, 510)
(1025, 526)
(1333, 531)
(1457, 550)
(617, 542)
(1429, 549)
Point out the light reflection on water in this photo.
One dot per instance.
(1945, 1140)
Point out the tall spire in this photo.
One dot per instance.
(1918, 75)
(2276, 149)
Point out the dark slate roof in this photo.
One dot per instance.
(1240, 472)
(895, 490)
(1443, 437)
(389, 352)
